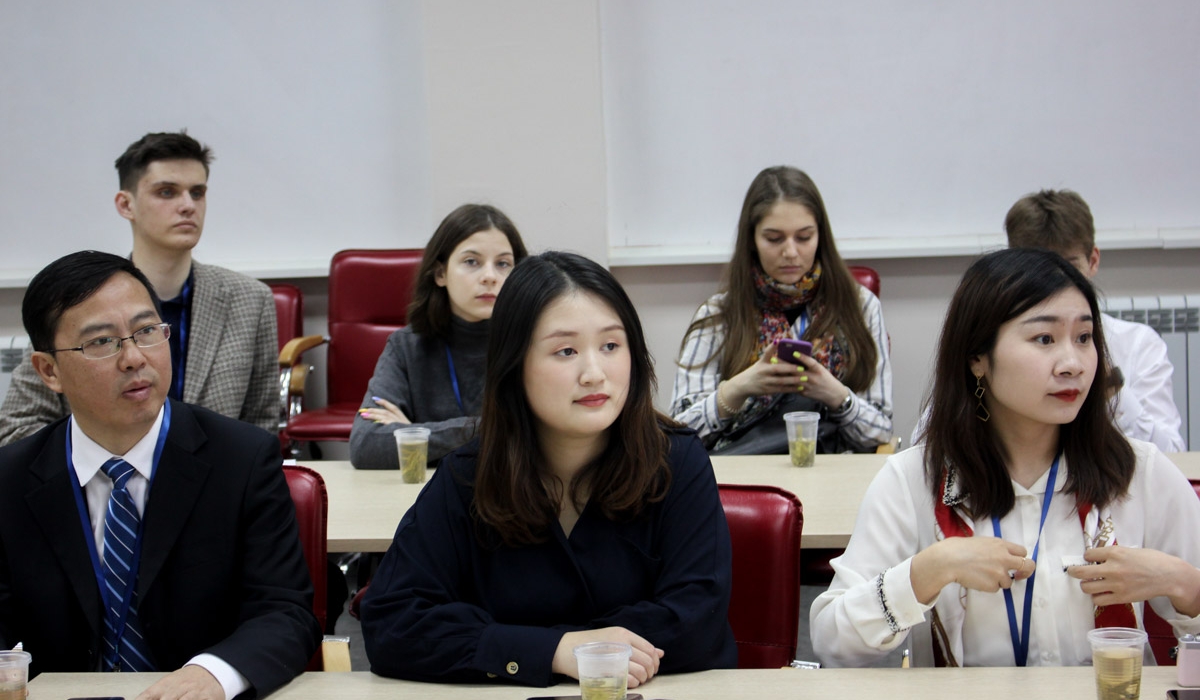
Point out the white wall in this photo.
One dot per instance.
(314, 111)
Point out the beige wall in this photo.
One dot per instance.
(515, 116)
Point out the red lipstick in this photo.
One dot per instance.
(593, 400)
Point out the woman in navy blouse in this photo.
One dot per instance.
(579, 514)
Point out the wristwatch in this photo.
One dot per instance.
(846, 403)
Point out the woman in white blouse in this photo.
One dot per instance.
(786, 280)
(1026, 518)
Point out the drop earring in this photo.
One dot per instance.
(981, 411)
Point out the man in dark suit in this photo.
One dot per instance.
(220, 593)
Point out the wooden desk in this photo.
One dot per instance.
(1036, 683)
(366, 505)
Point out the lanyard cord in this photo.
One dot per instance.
(454, 381)
(90, 536)
(1020, 637)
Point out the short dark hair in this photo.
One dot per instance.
(68, 282)
(996, 289)
(1055, 219)
(429, 311)
(132, 164)
(632, 471)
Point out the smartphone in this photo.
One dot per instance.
(785, 347)
(1183, 694)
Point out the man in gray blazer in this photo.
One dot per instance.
(224, 351)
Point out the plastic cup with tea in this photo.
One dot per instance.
(1117, 660)
(14, 674)
(412, 444)
(603, 670)
(802, 436)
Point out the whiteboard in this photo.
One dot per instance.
(315, 112)
(920, 121)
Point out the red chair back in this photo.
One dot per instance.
(312, 517)
(1162, 637)
(867, 277)
(764, 608)
(369, 292)
(289, 311)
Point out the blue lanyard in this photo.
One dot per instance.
(454, 381)
(90, 536)
(1020, 638)
(803, 321)
(185, 299)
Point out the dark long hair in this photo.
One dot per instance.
(836, 295)
(429, 311)
(996, 289)
(633, 469)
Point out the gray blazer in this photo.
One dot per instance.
(232, 363)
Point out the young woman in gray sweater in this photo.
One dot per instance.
(431, 372)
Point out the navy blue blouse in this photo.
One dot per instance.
(444, 606)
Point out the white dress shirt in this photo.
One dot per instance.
(850, 627)
(87, 457)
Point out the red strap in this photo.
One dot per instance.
(951, 522)
(1109, 615)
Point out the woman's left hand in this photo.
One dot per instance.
(387, 412)
(821, 385)
(1132, 574)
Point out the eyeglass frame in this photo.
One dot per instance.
(166, 329)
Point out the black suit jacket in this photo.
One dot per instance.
(221, 568)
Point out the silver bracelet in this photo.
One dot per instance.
(887, 611)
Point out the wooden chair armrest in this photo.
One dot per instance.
(296, 382)
(335, 653)
(290, 354)
(890, 447)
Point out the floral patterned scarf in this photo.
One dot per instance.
(775, 299)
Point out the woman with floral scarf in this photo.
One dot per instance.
(786, 280)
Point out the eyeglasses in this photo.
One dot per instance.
(109, 345)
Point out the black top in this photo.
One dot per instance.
(445, 606)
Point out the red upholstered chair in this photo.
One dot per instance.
(289, 322)
(867, 277)
(312, 516)
(289, 311)
(1162, 638)
(369, 292)
(764, 609)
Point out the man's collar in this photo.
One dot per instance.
(88, 456)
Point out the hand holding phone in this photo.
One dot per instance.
(785, 349)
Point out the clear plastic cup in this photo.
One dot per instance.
(802, 436)
(603, 670)
(1117, 660)
(14, 674)
(412, 444)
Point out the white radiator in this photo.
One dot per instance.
(11, 349)
(1177, 320)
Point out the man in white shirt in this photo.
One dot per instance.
(142, 533)
(1144, 406)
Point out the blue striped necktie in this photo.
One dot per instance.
(120, 545)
